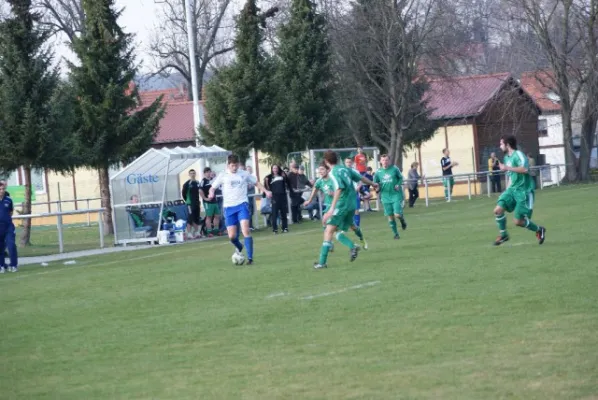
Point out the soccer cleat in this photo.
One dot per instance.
(275, 232)
(397, 237)
(541, 234)
(500, 240)
(320, 266)
(13, 269)
(249, 261)
(364, 244)
(2, 270)
(285, 231)
(403, 224)
(353, 253)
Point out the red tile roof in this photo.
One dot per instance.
(177, 124)
(174, 95)
(462, 97)
(538, 85)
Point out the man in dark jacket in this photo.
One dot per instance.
(278, 183)
(190, 194)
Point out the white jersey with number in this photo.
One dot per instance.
(234, 187)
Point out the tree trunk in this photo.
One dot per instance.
(25, 239)
(104, 178)
(570, 158)
(588, 131)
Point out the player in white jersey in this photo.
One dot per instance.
(357, 185)
(233, 183)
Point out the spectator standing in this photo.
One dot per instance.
(533, 172)
(190, 194)
(298, 182)
(364, 190)
(447, 174)
(412, 184)
(278, 183)
(211, 207)
(361, 162)
(494, 173)
(7, 232)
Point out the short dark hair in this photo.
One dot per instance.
(323, 164)
(444, 150)
(383, 156)
(191, 170)
(207, 169)
(232, 159)
(331, 157)
(510, 140)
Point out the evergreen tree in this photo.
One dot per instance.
(239, 98)
(35, 116)
(112, 129)
(305, 114)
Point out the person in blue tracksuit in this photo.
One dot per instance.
(7, 232)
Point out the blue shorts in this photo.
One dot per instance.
(357, 202)
(236, 214)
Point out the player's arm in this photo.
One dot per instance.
(184, 190)
(520, 169)
(314, 190)
(253, 181)
(215, 186)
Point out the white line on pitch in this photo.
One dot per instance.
(276, 295)
(360, 286)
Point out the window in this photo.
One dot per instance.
(542, 128)
(38, 181)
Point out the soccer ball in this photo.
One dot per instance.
(238, 258)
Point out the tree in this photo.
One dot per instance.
(566, 30)
(305, 115)
(66, 16)
(112, 129)
(380, 47)
(239, 97)
(35, 113)
(170, 47)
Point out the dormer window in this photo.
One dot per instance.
(552, 96)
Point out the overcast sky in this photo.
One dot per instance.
(139, 17)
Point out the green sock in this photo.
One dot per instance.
(445, 193)
(358, 233)
(344, 240)
(531, 226)
(501, 222)
(393, 226)
(326, 246)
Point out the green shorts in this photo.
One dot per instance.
(342, 219)
(394, 208)
(212, 209)
(520, 203)
(448, 181)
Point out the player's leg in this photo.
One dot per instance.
(216, 214)
(504, 204)
(345, 222)
(11, 244)
(231, 219)
(196, 219)
(523, 213)
(389, 213)
(284, 220)
(397, 208)
(326, 246)
(244, 217)
(357, 216)
(359, 234)
(452, 185)
(445, 183)
(210, 221)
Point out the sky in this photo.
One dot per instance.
(139, 17)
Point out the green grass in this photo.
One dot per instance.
(451, 318)
(44, 239)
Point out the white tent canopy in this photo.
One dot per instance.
(142, 190)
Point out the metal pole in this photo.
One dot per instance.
(59, 222)
(427, 194)
(469, 186)
(312, 163)
(163, 198)
(101, 225)
(558, 175)
(89, 215)
(191, 39)
(488, 176)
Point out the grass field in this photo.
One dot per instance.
(44, 239)
(440, 314)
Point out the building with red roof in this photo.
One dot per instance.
(475, 111)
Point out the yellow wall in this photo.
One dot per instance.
(460, 144)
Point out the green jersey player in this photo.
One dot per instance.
(339, 217)
(325, 186)
(390, 179)
(518, 198)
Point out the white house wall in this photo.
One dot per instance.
(552, 146)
